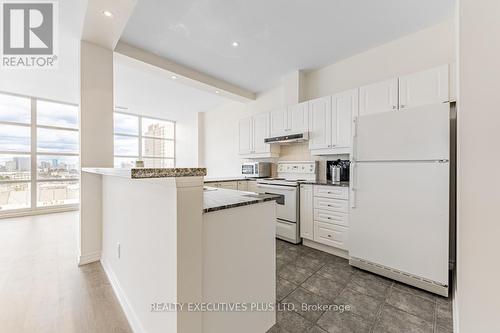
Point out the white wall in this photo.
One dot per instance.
(145, 91)
(427, 48)
(478, 268)
(424, 49)
(60, 84)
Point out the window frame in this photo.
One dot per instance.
(140, 137)
(33, 154)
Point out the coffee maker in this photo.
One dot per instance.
(338, 170)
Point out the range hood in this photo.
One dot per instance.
(289, 138)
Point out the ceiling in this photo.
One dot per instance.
(145, 89)
(275, 37)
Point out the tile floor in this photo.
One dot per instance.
(309, 277)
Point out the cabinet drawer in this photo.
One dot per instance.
(334, 192)
(330, 235)
(330, 217)
(334, 205)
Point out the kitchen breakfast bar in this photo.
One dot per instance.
(181, 257)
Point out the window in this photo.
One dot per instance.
(143, 138)
(39, 153)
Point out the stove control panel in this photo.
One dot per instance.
(298, 170)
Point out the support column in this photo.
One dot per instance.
(478, 192)
(96, 142)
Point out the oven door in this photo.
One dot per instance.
(286, 208)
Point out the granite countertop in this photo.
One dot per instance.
(215, 199)
(326, 182)
(141, 173)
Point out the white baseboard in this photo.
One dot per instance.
(325, 248)
(134, 323)
(454, 304)
(89, 257)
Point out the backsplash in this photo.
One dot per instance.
(300, 152)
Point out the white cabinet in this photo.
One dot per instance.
(306, 211)
(331, 192)
(378, 97)
(426, 87)
(344, 107)
(293, 119)
(242, 185)
(252, 185)
(330, 216)
(298, 118)
(252, 132)
(231, 185)
(245, 129)
(320, 123)
(331, 123)
(331, 235)
(261, 132)
(279, 123)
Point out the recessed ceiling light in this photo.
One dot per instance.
(235, 44)
(217, 92)
(107, 13)
(173, 77)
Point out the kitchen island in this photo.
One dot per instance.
(179, 256)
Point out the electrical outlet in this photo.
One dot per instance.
(118, 250)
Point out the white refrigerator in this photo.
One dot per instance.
(399, 216)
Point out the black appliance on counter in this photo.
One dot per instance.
(344, 167)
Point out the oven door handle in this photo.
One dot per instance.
(278, 188)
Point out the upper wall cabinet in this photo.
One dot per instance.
(320, 123)
(252, 131)
(261, 132)
(378, 97)
(245, 129)
(421, 88)
(298, 117)
(344, 107)
(279, 123)
(331, 123)
(294, 119)
(426, 87)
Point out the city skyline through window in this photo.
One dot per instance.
(143, 138)
(39, 153)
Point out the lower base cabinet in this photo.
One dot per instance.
(306, 212)
(324, 215)
(252, 185)
(330, 234)
(242, 185)
(230, 185)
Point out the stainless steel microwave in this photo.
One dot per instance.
(256, 169)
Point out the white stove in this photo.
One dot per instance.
(286, 185)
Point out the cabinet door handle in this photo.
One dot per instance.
(394, 107)
(403, 106)
(329, 236)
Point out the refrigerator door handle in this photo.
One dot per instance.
(354, 137)
(353, 184)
